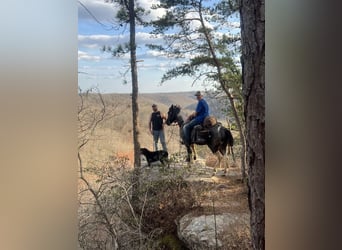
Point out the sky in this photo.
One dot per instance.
(97, 28)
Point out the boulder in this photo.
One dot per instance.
(198, 232)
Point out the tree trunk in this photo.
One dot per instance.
(252, 14)
(225, 87)
(241, 133)
(135, 107)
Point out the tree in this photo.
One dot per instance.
(253, 68)
(195, 27)
(128, 13)
(135, 107)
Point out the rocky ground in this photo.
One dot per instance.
(220, 220)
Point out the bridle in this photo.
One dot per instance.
(174, 115)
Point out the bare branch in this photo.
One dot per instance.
(94, 17)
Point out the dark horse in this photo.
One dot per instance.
(218, 140)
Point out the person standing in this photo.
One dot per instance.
(197, 117)
(156, 126)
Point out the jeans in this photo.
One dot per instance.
(159, 134)
(187, 128)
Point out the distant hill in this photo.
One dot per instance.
(114, 135)
(186, 100)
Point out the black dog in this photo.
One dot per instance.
(153, 156)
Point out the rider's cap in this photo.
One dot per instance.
(198, 93)
(154, 105)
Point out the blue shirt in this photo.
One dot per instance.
(202, 110)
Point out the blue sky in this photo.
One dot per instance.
(101, 69)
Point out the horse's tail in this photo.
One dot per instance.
(230, 138)
(230, 141)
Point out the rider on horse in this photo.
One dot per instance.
(196, 118)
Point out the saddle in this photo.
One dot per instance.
(201, 133)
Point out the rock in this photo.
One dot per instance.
(198, 232)
(220, 172)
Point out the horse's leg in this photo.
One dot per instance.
(188, 149)
(226, 162)
(232, 151)
(225, 157)
(218, 161)
(194, 151)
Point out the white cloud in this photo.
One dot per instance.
(196, 23)
(98, 41)
(153, 54)
(154, 13)
(146, 38)
(104, 12)
(85, 56)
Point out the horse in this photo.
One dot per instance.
(217, 142)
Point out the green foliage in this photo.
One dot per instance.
(183, 70)
(226, 7)
(205, 65)
(183, 38)
(155, 47)
(119, 50)
(170, 242)
(162, 24)
(122, 15)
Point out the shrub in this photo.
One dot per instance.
(167, 199)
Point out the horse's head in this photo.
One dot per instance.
(172, 114)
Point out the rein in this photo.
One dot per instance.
(180, 120)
